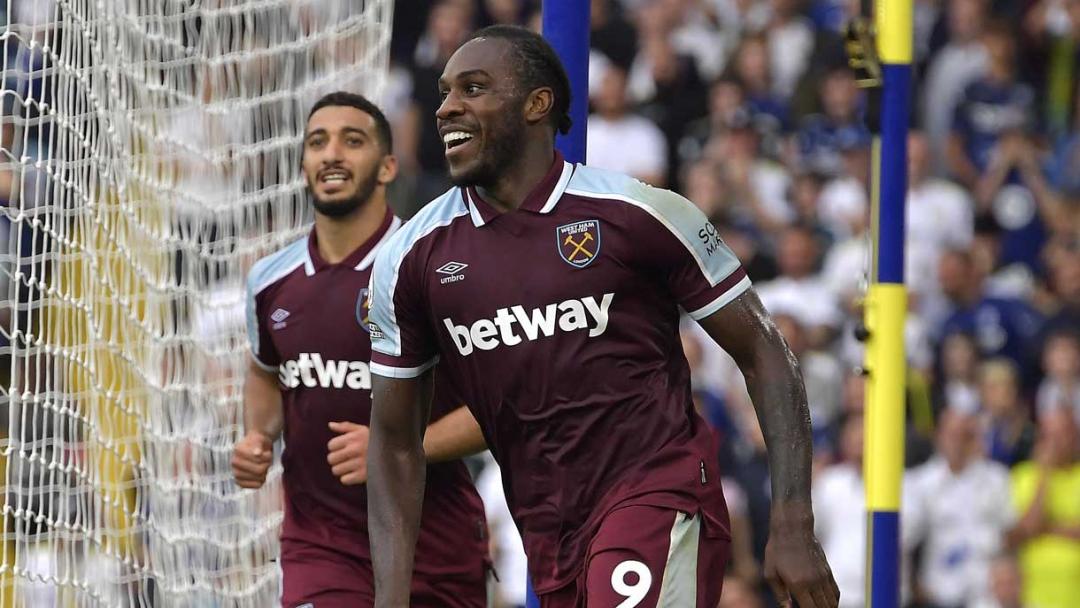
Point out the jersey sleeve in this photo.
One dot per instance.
(402, 340)
(701, 271)
(262, 346)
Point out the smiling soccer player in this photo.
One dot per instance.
(309, 378)
(561, 334)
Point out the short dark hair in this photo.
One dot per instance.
(537, 66)
(355, 100)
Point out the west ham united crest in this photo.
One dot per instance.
(362, 309)
(578, 243)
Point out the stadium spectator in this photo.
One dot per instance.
(1010, 433)
(1001, 326)
(421, 147)
(799, 291)
(791, 43)
(1063, 268)
(823, 137)
(951, 68)
(758, 184)
(611, 33)
(666, 83)
(987, 141)
(938, 217)
(623, 141)
(958, 385)
(1047, 532)
(751, 67)
(805, 199)
(727, 106)
(1060, 387)
(839, 501)
(844, 204)
(955, 510)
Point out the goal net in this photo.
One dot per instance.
(149, 154)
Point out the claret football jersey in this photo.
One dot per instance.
(307, 323)
(558, 324)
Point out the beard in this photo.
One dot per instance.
(505, 140)
(339, 209)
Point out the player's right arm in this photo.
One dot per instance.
(263, 409)
(396, 475)
(263, 419)
(403, 353)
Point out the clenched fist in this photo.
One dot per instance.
(251, 459)
(348, 452)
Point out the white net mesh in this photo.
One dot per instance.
(149, 156)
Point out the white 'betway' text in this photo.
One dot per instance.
(512, 325)
(310, 370)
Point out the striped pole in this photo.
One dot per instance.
(886, 306)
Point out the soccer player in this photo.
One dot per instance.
(549, 295)
(309, 378)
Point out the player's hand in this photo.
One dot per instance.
(251, 460)
(348, 452)
(795, 566)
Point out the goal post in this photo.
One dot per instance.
(149, 154)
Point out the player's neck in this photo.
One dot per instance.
(338, 237)
(515, 184)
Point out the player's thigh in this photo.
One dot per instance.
(650, 557)
(457, 591)
(319, 578)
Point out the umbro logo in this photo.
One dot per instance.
(452, 270)
(278, 317)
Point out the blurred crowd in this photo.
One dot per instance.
(750, 110)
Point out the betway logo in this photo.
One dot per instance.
(310, 370)
(512, 325)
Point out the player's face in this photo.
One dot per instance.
(481, 119)
(343, 159)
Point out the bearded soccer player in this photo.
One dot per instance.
(309, 378)
(549, 296)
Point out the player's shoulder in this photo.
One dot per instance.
(274, 267)
(671, 208)
(439, 213)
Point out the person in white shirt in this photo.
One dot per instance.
(839, 509)
(951, 70)
(620, 141)
(958, 507)
(800, 291)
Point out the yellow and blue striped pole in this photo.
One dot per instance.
(886, 305)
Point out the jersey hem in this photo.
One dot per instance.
(390, 371)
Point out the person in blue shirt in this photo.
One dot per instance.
(822, 137)
(1001, 327)
(993, 111)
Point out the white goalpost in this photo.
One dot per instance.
(149, 154)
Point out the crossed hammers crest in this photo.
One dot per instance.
(579, 246)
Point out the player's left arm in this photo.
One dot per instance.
(795, 564)
(453, 437)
